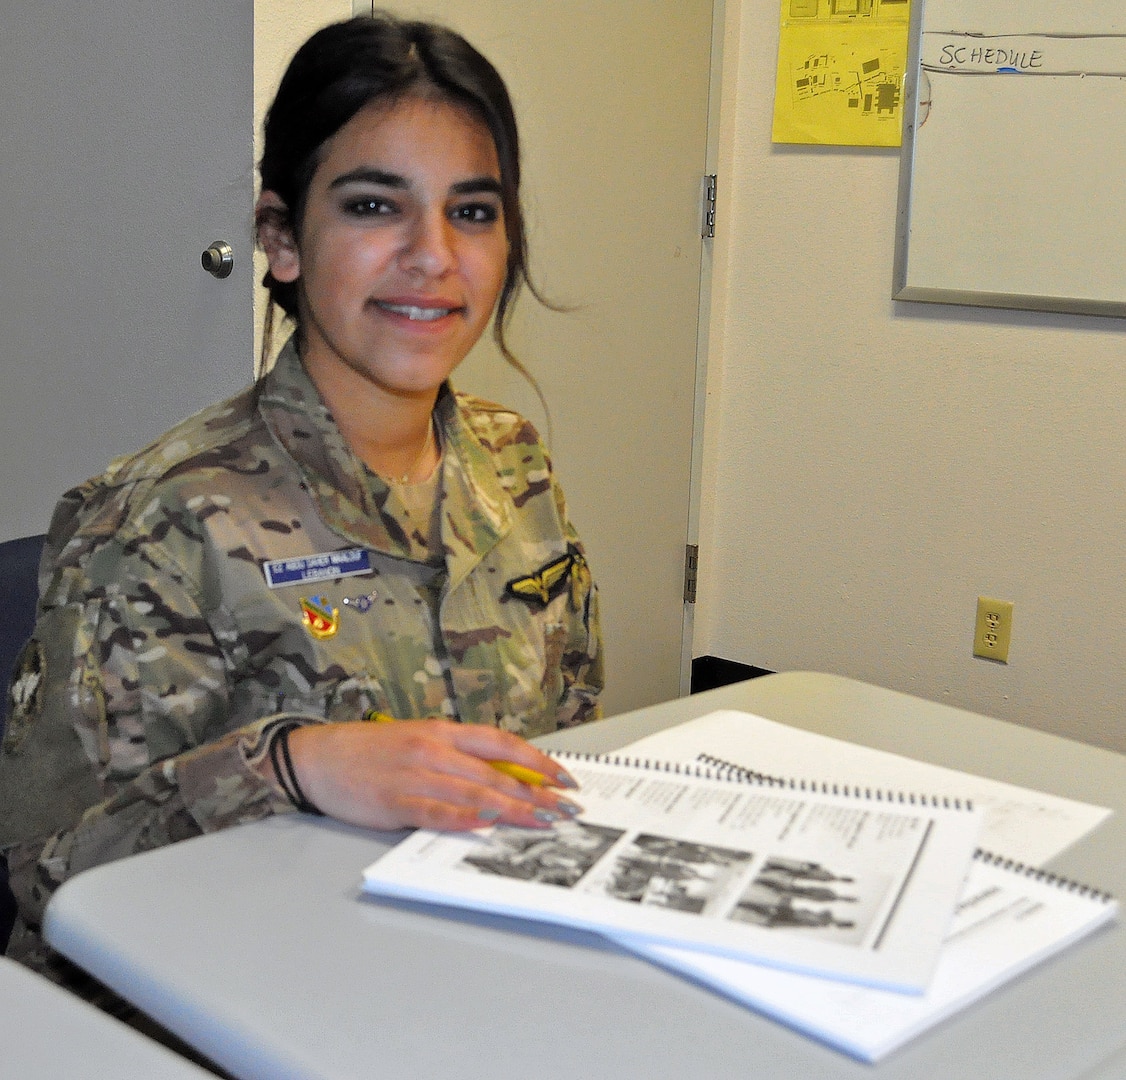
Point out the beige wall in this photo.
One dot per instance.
(873, 467)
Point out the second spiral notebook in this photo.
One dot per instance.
(854, 886)
(1009, 918)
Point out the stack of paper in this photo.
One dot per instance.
(1009, 916)
(859, 888)
(837, 888)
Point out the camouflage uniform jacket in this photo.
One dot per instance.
(161, 659)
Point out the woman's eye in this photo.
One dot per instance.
(369, 206)
(477, 213)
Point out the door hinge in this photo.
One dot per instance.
(691, 559)
(708, 219)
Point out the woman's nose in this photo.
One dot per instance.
(429, 245)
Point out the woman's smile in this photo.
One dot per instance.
(415, 312)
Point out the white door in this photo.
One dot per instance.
(612, 99)
(125, 150)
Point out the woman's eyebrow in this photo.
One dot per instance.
(477, 186)
(365, 175)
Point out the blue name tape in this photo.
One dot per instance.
(329, 564)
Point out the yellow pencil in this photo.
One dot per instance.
(520, 772)
(509, 768)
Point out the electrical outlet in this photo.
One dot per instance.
(993, 629)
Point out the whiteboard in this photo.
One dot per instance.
(1012, 188)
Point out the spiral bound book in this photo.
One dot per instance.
(1009, 918)
(852, 885)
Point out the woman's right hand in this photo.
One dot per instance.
(429, 773)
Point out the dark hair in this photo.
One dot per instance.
(384, 59)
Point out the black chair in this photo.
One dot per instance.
(19, 593)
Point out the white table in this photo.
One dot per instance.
(256, 946)
(47, 1033)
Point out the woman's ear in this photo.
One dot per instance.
(275, 234)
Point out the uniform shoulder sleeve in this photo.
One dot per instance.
(119, 737)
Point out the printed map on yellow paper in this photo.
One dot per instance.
(840, 72)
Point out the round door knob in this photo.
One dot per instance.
(219, 259)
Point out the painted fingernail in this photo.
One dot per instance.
(566, 780)
(569, 808)
(488, 814)
(546, 816)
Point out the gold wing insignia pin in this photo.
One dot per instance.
(546, 583)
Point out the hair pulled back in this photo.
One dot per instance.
(381, 59)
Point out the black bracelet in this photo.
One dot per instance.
(282, 762)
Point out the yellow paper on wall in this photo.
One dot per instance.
(841, 66)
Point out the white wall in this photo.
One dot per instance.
(871, 467)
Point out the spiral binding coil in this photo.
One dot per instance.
(702, 772)
(1014, 866)
(826, 787)
(709, 767)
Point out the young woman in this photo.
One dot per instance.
(225, 612)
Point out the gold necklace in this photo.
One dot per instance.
(406, 477)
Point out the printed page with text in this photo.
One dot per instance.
(855, 888)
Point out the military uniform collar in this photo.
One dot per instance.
(362, 507)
